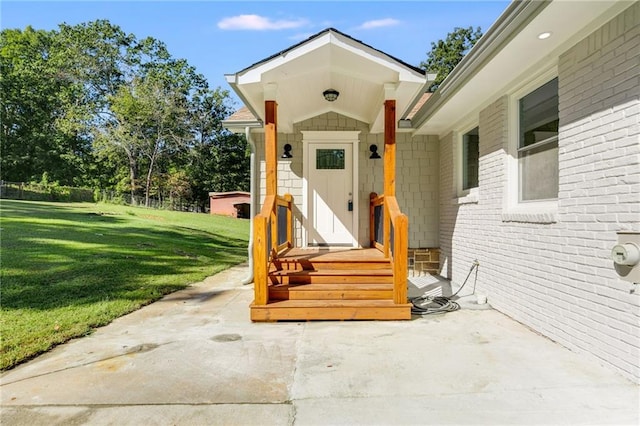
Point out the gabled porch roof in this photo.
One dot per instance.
(297, 76)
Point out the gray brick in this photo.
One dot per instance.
(556, 277)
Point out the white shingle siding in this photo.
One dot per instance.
(557, 277)
(416, 176)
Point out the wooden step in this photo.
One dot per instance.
(333, 276)
(302, 310)
(334, 291)
(320, 258)
(311, 264)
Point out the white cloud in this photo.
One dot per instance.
(300, 36)
(379, 23)
(258, 23)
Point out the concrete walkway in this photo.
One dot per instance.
(195, 358)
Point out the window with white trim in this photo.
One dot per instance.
(538, 143)
(470, 159)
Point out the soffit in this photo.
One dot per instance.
(520, 57)
(297, 77)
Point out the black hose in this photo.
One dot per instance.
(426, 305)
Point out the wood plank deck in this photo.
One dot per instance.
(331, 254)
(303, 310)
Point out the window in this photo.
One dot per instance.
(470, 158)
(538, 143)
(329, 159)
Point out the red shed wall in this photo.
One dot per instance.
(224, 205)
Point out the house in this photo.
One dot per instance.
(235, 203)
(526, 159)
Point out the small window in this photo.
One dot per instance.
(538, 144)
(329, 159)
(470, 159)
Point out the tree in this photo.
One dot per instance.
(91, 105)
(150, 119)
(136, 97)
(34, 101)
(446, 54)
(218, 159)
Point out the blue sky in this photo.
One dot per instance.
(223, 37)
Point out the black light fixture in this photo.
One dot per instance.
(331, 94)
(287, 151)
(374, 152)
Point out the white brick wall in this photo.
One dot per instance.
(416, 176)
(557, 277)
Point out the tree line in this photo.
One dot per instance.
(92, 106)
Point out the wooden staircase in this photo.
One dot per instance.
(322, 284)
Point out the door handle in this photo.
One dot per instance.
(350, 205)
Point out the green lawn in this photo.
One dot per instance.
(68, 268)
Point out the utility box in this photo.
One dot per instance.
(626, 256)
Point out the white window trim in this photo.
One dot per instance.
(463, 196)
(514, 210)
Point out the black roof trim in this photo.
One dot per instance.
(328, 30)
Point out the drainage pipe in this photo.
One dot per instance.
(253, 191)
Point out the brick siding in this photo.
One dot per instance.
(556, 275)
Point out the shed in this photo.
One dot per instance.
(235, 203)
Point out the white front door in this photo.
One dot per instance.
(330, 194)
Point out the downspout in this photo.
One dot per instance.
(254, 202)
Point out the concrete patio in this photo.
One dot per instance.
(195, 358)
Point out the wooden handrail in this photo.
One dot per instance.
(266, 241)
(262, 250)
(395, 241)
(398, 248)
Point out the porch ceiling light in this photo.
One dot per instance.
(331, 94)
(544, 35)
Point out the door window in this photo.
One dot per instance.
(330, 159)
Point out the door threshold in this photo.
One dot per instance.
(332, 247)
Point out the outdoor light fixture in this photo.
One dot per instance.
(331, 94)
(404, 123)
(287, 151)
(374, 152)
(544, 35)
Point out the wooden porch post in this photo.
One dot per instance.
(271, 162)
(271, 146)
(265, 222)
(390, 147)
(389, 164)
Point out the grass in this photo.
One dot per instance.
(68, 268)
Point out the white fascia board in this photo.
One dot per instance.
(245, 100)
(254, 75)
(404, 73)
(239, 127)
